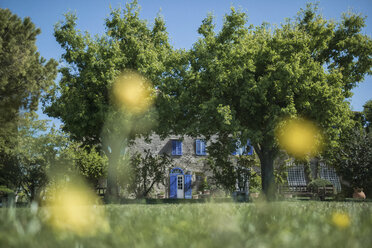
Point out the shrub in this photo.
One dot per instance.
(317, 194)
(314, 185)
(255, 183)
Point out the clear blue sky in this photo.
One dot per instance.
(182, 19)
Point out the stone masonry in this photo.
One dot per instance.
(190, 162)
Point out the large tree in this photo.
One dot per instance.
(24, 77)
(367, 112)
(243, 80)
(84, 103)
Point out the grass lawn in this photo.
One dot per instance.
(278, 224)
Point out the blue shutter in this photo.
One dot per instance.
(179, 147)
(173, 186)
(176, 147)
(198, 147)
(188, 193)
(174, 144)
(203, 150)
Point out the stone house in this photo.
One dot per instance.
(186, 152)
(189, 155)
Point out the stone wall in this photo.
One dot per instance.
(188, 161)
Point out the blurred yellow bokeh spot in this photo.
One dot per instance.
(132, 92)
(74, 208)
(341, 220)
(299, 137)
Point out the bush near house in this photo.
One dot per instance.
(320, 188)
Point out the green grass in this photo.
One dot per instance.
(278, 224)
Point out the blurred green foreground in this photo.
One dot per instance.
(278, 224)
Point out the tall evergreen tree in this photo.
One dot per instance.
(24, 77)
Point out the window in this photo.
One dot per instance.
(296, 176)
(176, 147)
(179, 182)
(329, 174)
(243, 150)
(200, 147)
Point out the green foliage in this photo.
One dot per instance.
(205, 185)
(5, 191)
(318, 183)
(367, 111)
(220, 164)
(146, 172)
(353, 159)
(92, 64)
(225, 168)
(24, 77)
(45, 156)
(85, 161)
(255, 182)
(281, 174)
(359, 119)
(307, 169)
(36, 153)
(279, 224)
(243, 80)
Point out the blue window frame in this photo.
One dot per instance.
(243, 150)
(200, 147)
(176, 147)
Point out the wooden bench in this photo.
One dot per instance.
(302, 190)
(298, 190)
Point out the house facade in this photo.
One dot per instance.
(189, 168)
(188, 154)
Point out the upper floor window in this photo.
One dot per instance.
(177, 147)
(200, 147)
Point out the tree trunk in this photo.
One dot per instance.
(32, 193)
(112, 192)
(267, 172)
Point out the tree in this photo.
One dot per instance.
(245, 80)
(24, 77)
(146, 172)
(353, 159)
(367, 111)
(85, 161)
(221, 164)
(45, 156)
(85, 103)
(32, 154)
